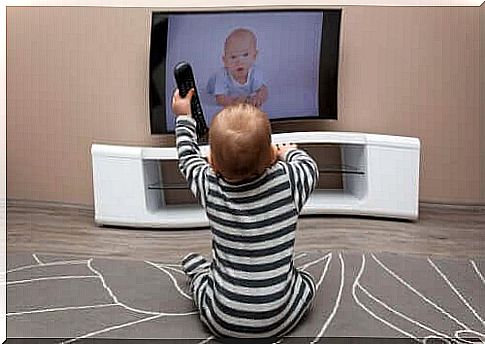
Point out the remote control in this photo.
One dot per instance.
(185, 81)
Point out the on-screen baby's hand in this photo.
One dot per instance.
(230, 100)
(256, 100)
(282, 148)
(239, 100)
(181, 106)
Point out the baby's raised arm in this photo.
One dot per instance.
(302, 171)
(191, 163)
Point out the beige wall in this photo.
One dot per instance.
(79, 75)
(482, 102)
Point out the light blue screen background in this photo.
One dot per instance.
(288, 46)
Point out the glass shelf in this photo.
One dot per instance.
(340, 168)
(337, 169)
(158, 186)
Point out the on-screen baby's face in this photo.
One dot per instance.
(240, 55)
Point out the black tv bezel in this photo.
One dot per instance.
(328, 73)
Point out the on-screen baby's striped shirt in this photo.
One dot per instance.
(251, 288)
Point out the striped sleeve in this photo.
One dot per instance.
(191, 163)
(303, 174)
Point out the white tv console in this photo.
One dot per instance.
(380, 177)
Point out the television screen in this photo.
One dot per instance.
(285, 62)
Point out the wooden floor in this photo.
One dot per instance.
(49, 228)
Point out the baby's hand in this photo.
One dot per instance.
(239, 100)
(181, 106)
(255, 100)
(260, 96)
(282, 148)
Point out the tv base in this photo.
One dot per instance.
(379, 177)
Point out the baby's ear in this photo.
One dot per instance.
(274, 151)
(209, 160)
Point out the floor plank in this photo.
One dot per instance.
(50, 228)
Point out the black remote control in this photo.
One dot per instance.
(185, 81)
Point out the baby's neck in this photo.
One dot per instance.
(241, 180)
(251, 177)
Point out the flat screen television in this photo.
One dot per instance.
(291, 54)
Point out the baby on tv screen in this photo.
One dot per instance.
(284, 62)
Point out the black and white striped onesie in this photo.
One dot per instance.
(251, 287)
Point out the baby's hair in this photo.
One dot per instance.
(240, 141)
(241, 31)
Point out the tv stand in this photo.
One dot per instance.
(379, 177)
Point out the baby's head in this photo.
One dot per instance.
(240, 51)
(240, 141)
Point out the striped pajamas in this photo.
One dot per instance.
(250, 288)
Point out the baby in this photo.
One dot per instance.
(240, 81)
(252, 192)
